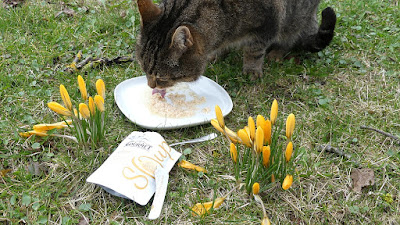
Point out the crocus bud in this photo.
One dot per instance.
(287, 182)
(274, 111)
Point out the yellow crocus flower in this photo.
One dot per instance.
(274, 111)
(65, 97)
(244, 137)
(290, 123)
(272, 178)
(216, 125)
(56, 107)
(82, 88)
(256, 188)
(259, 139)
(266, 153)
(202, 208)
(99, 102)
(84, 110)
(187, 165)
(233, 152)
(252, 127)
(232, 135)
(260, 121)
(265, 221)
(287, 182)
(289, 150)
(101, 88)
(51, 126)
(92, 107)
(76, 113)
(220, 117)
(267, 132)
(33, 132)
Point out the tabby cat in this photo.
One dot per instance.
(178, 37)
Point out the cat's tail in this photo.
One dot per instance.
(318, 41)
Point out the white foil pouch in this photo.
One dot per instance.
(129, 172)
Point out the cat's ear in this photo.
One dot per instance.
(148, 10)
(182, 39)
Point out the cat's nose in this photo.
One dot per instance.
(151, 81)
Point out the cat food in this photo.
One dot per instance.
(178, 102)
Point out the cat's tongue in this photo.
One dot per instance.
(162, 92)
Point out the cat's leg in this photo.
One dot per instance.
(253, 59)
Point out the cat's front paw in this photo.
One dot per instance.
(255, 73)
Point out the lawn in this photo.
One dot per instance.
(352, 83)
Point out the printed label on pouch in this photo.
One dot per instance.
(129, 171)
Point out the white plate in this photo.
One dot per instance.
(132, 97)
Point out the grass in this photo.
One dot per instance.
(353, 82)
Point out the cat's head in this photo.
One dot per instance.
(167, 51)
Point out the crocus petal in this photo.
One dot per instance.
(233, 152)
(101, 88)
(267, 132)
(266, 153)
(289, 150)
(187, 165)
(252, 127)
(216, 125)
(260, 121)
(92, 107)
(287, 182)
(274, 111)
(265, 221)
(259, 139)
(56, 107)
(33, 132)
(256, 188)
(99, 102)
(65, 97)
(76, 113)
(202, 208)
(232, 135)
(82, 88)
(84, 110)
(290, 123)
(51, 126)
(220, 117)
(272, 178)
(244, 137)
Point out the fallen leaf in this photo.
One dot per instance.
(83, 221)
(36, 168)
(361, 178)
(3, 173)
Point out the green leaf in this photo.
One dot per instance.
(85, 207)
(187, 151)
(13, 200)
(42, 220)
(26, 199)
(36, 145)
(35, 206)
(66, 220)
